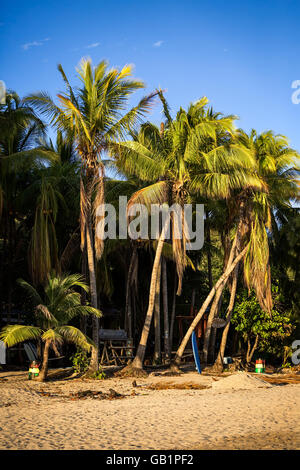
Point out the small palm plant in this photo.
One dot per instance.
(60, 305)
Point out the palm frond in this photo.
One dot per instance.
(74, 335)
(31, 291)
(53, 336)
(14, 334)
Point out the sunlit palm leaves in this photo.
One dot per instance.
(61, 304)
(276, 165)
(95, 114)
(193, 154)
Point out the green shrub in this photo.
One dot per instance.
(99, 375)
(80, 361)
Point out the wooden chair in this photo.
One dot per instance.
(117, 348)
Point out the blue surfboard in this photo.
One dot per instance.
(196, 352)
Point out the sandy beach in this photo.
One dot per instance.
(48, 416)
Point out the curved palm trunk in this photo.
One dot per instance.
(219, 360)
(229, 255)
(140, 354)
(216, 301)
(211, 316)
(44, 370)
(55, 349)
(206, 303)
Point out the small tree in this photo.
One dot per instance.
(60, 305)
(261, 330)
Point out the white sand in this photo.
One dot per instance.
(240, 381)
(260, 418)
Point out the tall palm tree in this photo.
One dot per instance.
(53, 193)
(61, 303)
(19, 129)
(192, 154)
(278, 168)
(95, 115)
(253, 211)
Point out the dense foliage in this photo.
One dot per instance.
(269, 329)
(48, 195)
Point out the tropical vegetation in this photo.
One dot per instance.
(246, 276)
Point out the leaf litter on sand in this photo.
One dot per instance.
(288, 379)
(84, 394)
(176, 386)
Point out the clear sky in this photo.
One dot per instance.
(243, 55)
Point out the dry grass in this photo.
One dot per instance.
(176, 386)
(282, 380)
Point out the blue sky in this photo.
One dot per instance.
(243, 55)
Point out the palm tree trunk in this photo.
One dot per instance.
(173, 313)
(166, 313)
(206, 303)
(213, 336)
(55, 349)
(208, 253)
(44, 370)
(157, 344)
(94, 363)
(228, 257)
(220, 358)
(128, 309)
(215, 304)
(140, 354)
(83, 322)
(210, 319)
(128, 303)
(39, 349)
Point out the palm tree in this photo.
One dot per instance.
(51, 197)
(64, 147)
(192, 154)
(253, 218)
(95, 115)
(278, 167)
(19, 129)
(61, 303)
